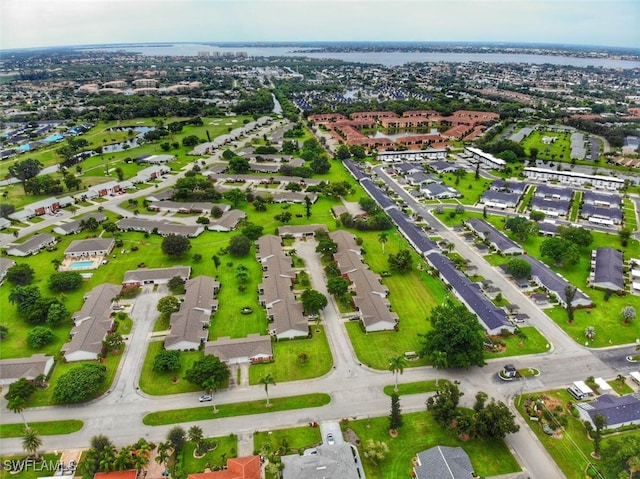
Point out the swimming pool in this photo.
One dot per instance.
(81, 265)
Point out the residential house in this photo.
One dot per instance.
(370, 298)
(189, 325)
(436, 191)
(301, 231)
(551, 193)
(250, 350)
(618, 410)
(442, 166)
(5, 264)
(144, 276)
(574, 178)
(492, 318)
(42, 207)
(156, 159)
(407, 168)
(487, 160)
(601, 215)
(294, 197)
(601, 200)
(148, 174)
(508, 186)
(284, 312)
(4, 223)
(607, 269)
(248, 467)
(412, 155)
(163, 228)
(443, 462)
(108, 188)
(497, 239)
(91, 324)
(550, 207)
(76, 226)
(554, 284)
(32, 246)
(500, 199)
(228, 221)
(29, 368)
(90, 247)
(335, 461)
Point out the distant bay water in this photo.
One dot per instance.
(391, 58)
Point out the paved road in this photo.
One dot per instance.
(354, 393)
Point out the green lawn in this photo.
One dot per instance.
(470, 188)
(418, 387)
(286, 441)
(420, 432)
(526, 199)
(28, 470)
(559, 150)
(236, 409)
(288, 365)
(575, 206)
(158, 384)
(629, 214)
(48, 428)
(515, 346)
(226, 448)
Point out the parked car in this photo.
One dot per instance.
(330, 439)
(205, 398)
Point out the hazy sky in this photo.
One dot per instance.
(36, 23)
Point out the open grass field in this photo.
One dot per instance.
(156, 384)
(289, 366)
(29, 470)
(226, 448)
(48, 428)
(236, 409)
(468, 186)
(286, 441)
(420, 432)
(558, 150)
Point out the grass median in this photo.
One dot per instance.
(236, 409)
(417, 387)
(47, 428)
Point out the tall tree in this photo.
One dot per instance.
(396, 366)
(495, 420)
(206, 368)
(313, 301)
(569, 294)
(382, 239)
(17, 405)
(444, 404)
(439, 361)
(25, 170)
(395, 419)
(267, 381)
(456, 332)
(175, 245)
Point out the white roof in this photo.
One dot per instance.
(602, 384)
(635, 375)
(584, 389)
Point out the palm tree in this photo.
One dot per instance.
(31, 441)
(17, 405)
(382, 239)
(164, 453)
(122, 460)
(211, 386)
(107, 458)
(396, 365)
(196, 436)
(439, 361)
(267, 381)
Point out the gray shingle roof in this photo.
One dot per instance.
(509, 199)
(617, 410)
(544, 191)
(89, 245)
(497, 238)
(329, 462)
(589, 210)
(156, 274)
(609, 270)
(229, 350)
(442, 462)
(553, 282)
(29, 368)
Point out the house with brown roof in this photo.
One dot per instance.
(284, 312)
(29, 368)
(129, 474)
(252, 349)
(91, 324)
(189, 324)
(248, 467)
(370, 295)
